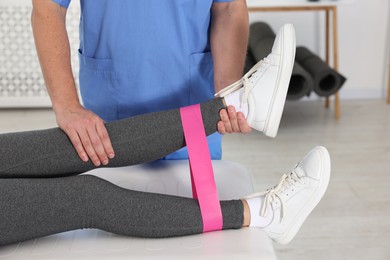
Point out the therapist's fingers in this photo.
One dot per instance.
(88, 146)
(232, 122)
(77, 144)
(221, 127)
(233, 119)
(243, 124)
(225, 120)
(97, 145)
(105, 139)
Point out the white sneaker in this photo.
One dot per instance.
(266, 84)
(294, 198)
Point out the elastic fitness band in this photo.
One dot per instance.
(202, 175)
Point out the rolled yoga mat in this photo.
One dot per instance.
(327, 81)
(301, 83)
(261, 40)
(249, 61)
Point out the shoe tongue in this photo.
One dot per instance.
(299, 170)
(273, 59)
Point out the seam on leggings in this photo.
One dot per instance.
(163, 229)
(33, 160)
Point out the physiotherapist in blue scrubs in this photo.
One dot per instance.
(138, 57)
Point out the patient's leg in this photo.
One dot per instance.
(32, 208)
(140, 139)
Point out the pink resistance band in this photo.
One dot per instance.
(202, 175)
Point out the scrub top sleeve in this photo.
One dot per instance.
(63, 3)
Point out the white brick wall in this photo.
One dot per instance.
(21, 81)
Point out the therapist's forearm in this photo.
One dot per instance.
(52, 43)
(85, 129)
(229, 39)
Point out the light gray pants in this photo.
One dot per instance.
(39, 196)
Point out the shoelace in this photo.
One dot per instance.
(248, 79)
(274, 193)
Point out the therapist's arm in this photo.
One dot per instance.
(84, 128)
(229, 39)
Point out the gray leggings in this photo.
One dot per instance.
(39, 195)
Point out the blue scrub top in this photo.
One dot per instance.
(144, 56)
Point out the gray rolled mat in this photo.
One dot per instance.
(327, 81)
(249, 61)
(301, 83)
(261, 40)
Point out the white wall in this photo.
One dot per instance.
(363, 41)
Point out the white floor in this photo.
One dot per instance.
(353, 219)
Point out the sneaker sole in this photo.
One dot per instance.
(272, 123)
(286, 237)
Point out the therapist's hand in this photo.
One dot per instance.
(232, 122)
(87, 133)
